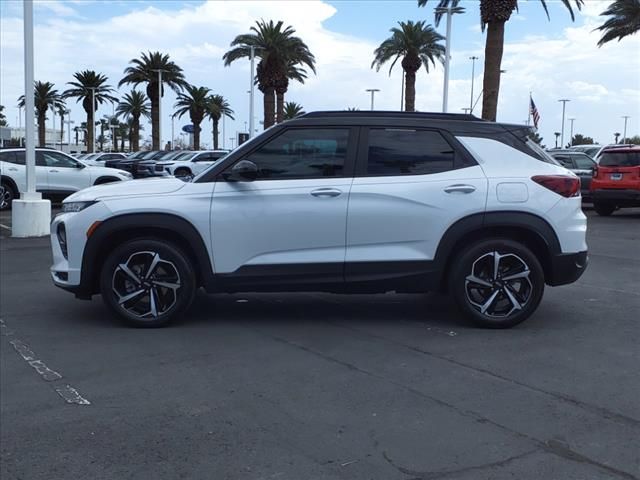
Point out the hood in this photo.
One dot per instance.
(130, 188)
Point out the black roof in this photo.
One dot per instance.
(392, 114)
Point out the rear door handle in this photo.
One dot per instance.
(460, 189)
(13, 169)
(326, 192)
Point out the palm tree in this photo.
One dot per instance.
(493, 16)
(90, 84)
(146, 69)
(417, 44)
(77, 130)
(278, 50)
(294, 72)
(62, 110)
(217, 106)
(133, 106)
(292, 110)
(45, 97)
(624, 21)
(123, 132)
(3, 117)
(194, 102)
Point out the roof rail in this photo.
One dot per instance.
(383, 113)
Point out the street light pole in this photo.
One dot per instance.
(173, 147)
(29, 100)
(252, 58)
(571, 137)
(159, 70)
(564, 105)
(445, 95)
(624, 135)
(473, 73)
(373, 92)
(93, 119)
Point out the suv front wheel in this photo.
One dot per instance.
(497, 283)
(148, 282)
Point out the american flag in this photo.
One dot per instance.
(534, 112)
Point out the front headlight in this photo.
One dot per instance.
(76, 206)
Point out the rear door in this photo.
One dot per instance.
(410, 186)
(65, 174)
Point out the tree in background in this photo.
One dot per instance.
(579, 139)
(417, 44)
(624, 21)
(494, 14)
(635, 140)
(278, 50)
(293, 110)
(3, 117)
(616, 136)
(133, 107)
(62, 111)
(217, 107)
(538, 139)
(46, 97)
(88, 85)
(145, 70)
(193, 101)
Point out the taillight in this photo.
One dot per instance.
(594, 173)
(561, 184)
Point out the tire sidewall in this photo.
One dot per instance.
(604, 208)
(6, 187)
(463, 266)
(167, 251)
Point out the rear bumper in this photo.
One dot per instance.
(567, 268)
(621, 197)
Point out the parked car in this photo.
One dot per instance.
(99, 159)
(191, 164)
(582, 165)
(616, 180)
(591, 150)
(349, 202)
(57, 174)
(140, 168)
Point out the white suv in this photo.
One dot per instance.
(189, 164)
(344, 202)
(57, 174)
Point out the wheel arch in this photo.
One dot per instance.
(529, 229)
(106, 179)
(121, 228)
(11, 182)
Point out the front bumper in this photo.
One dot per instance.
(621, 197)
(567, 268)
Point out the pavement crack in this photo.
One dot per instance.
(431, 475)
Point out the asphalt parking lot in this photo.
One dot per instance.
(319, 386)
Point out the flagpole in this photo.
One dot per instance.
(529, 110)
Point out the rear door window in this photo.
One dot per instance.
(396, 152)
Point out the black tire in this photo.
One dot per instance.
(183, 173)
(604, 208)
(172, 268)
(7, 195)
(477, 263)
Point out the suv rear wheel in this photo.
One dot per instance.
(604, 208)
(148, 282)
(6, 195)
(497, 283)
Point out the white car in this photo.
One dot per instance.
(190, 164)
(342, 202)
(57, 174)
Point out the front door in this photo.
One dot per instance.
(287, 227)
(65, 175)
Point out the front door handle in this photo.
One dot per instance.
(13, 169)
(53, 171)
(326, 192)
(460, 189)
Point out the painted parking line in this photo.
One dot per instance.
(67, 392)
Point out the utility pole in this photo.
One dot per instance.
(252, 59)
(159, 70)
(624, 134)
(473, 75)
(373, 92)
(572, 120)
(93, 118)
(402, 93)
(564, 105)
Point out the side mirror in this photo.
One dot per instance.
(80, 166)
(243, 171)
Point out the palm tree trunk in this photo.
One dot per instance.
(280, 106)
(152, 93)
(122, 143)
(62, 130)
(76, 137)
(410, 91)
(114, 140)
(269, 104)
(492, 61)
(136, 134)
(215, 134)
(41, 129)
(196, 136)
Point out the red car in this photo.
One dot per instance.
(616, 180)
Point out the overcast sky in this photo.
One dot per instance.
(553, 59)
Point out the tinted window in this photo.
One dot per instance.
(303, 153)
(54, 159)
(408, 152)
(583, 162)
(564, 160)
(620, 159)
(12, 157)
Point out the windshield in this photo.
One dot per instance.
(620, 159)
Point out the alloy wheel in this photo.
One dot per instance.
(499, 285)
(146, 285)
(5, 197)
